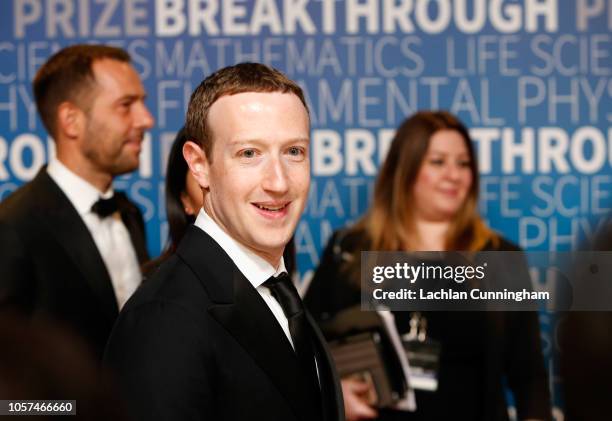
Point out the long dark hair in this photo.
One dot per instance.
(176, 184)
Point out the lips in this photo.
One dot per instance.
(272, 210)
(135, 138)
(449, 192)
(134, 143)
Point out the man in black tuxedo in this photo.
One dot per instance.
(71, 246)
(220, 333)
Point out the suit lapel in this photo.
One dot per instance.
(135, 225)
(239, 308)
(62, 220)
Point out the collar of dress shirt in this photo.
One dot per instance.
(81, 193)
(253, 267)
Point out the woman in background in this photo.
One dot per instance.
(183, 194)
(183, 200)
(425, 199)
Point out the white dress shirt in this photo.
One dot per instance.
(253, 267)
(110, 234)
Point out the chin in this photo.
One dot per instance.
(268, 240)
(443, 214)
(450, 210)
(276, 245)
(126, 168)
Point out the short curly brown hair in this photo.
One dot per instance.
(231, 80)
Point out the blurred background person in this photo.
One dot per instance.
(43, 361)
(426, 199)
(586, 347)
(183, 194)
(72, 246)
(183, 200)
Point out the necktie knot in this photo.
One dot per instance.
(285, 293)
(106, 207)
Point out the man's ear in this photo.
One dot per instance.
(70, 120)
(197, 162)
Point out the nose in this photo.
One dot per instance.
(275, 179)
(453, 171)
(144, 119)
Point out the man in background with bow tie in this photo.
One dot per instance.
(70, 246)
(220, 332)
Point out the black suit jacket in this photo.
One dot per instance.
(50, 265)
(197, 342)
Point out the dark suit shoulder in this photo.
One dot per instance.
(602, 241)
(168, 307)
(36, 197)
(160, 351)
(349, 240)
(18, 204)
(332, 288)
(500, 243)
(344, 244)
(19, 224)
(174, 284)
(162, 346)
(160, 312)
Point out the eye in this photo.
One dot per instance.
(465, 163)
(124, 106)
(296, 153)
(247, 153)
(436, 161)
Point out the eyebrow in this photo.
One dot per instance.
(132, 97)
(257, 141)
(446, 153)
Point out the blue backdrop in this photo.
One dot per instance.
(532, 80)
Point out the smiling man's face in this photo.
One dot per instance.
(258, 174)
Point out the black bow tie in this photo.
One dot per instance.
(106, 207)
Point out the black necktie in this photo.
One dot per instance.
(287, 296)
(106, 207)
